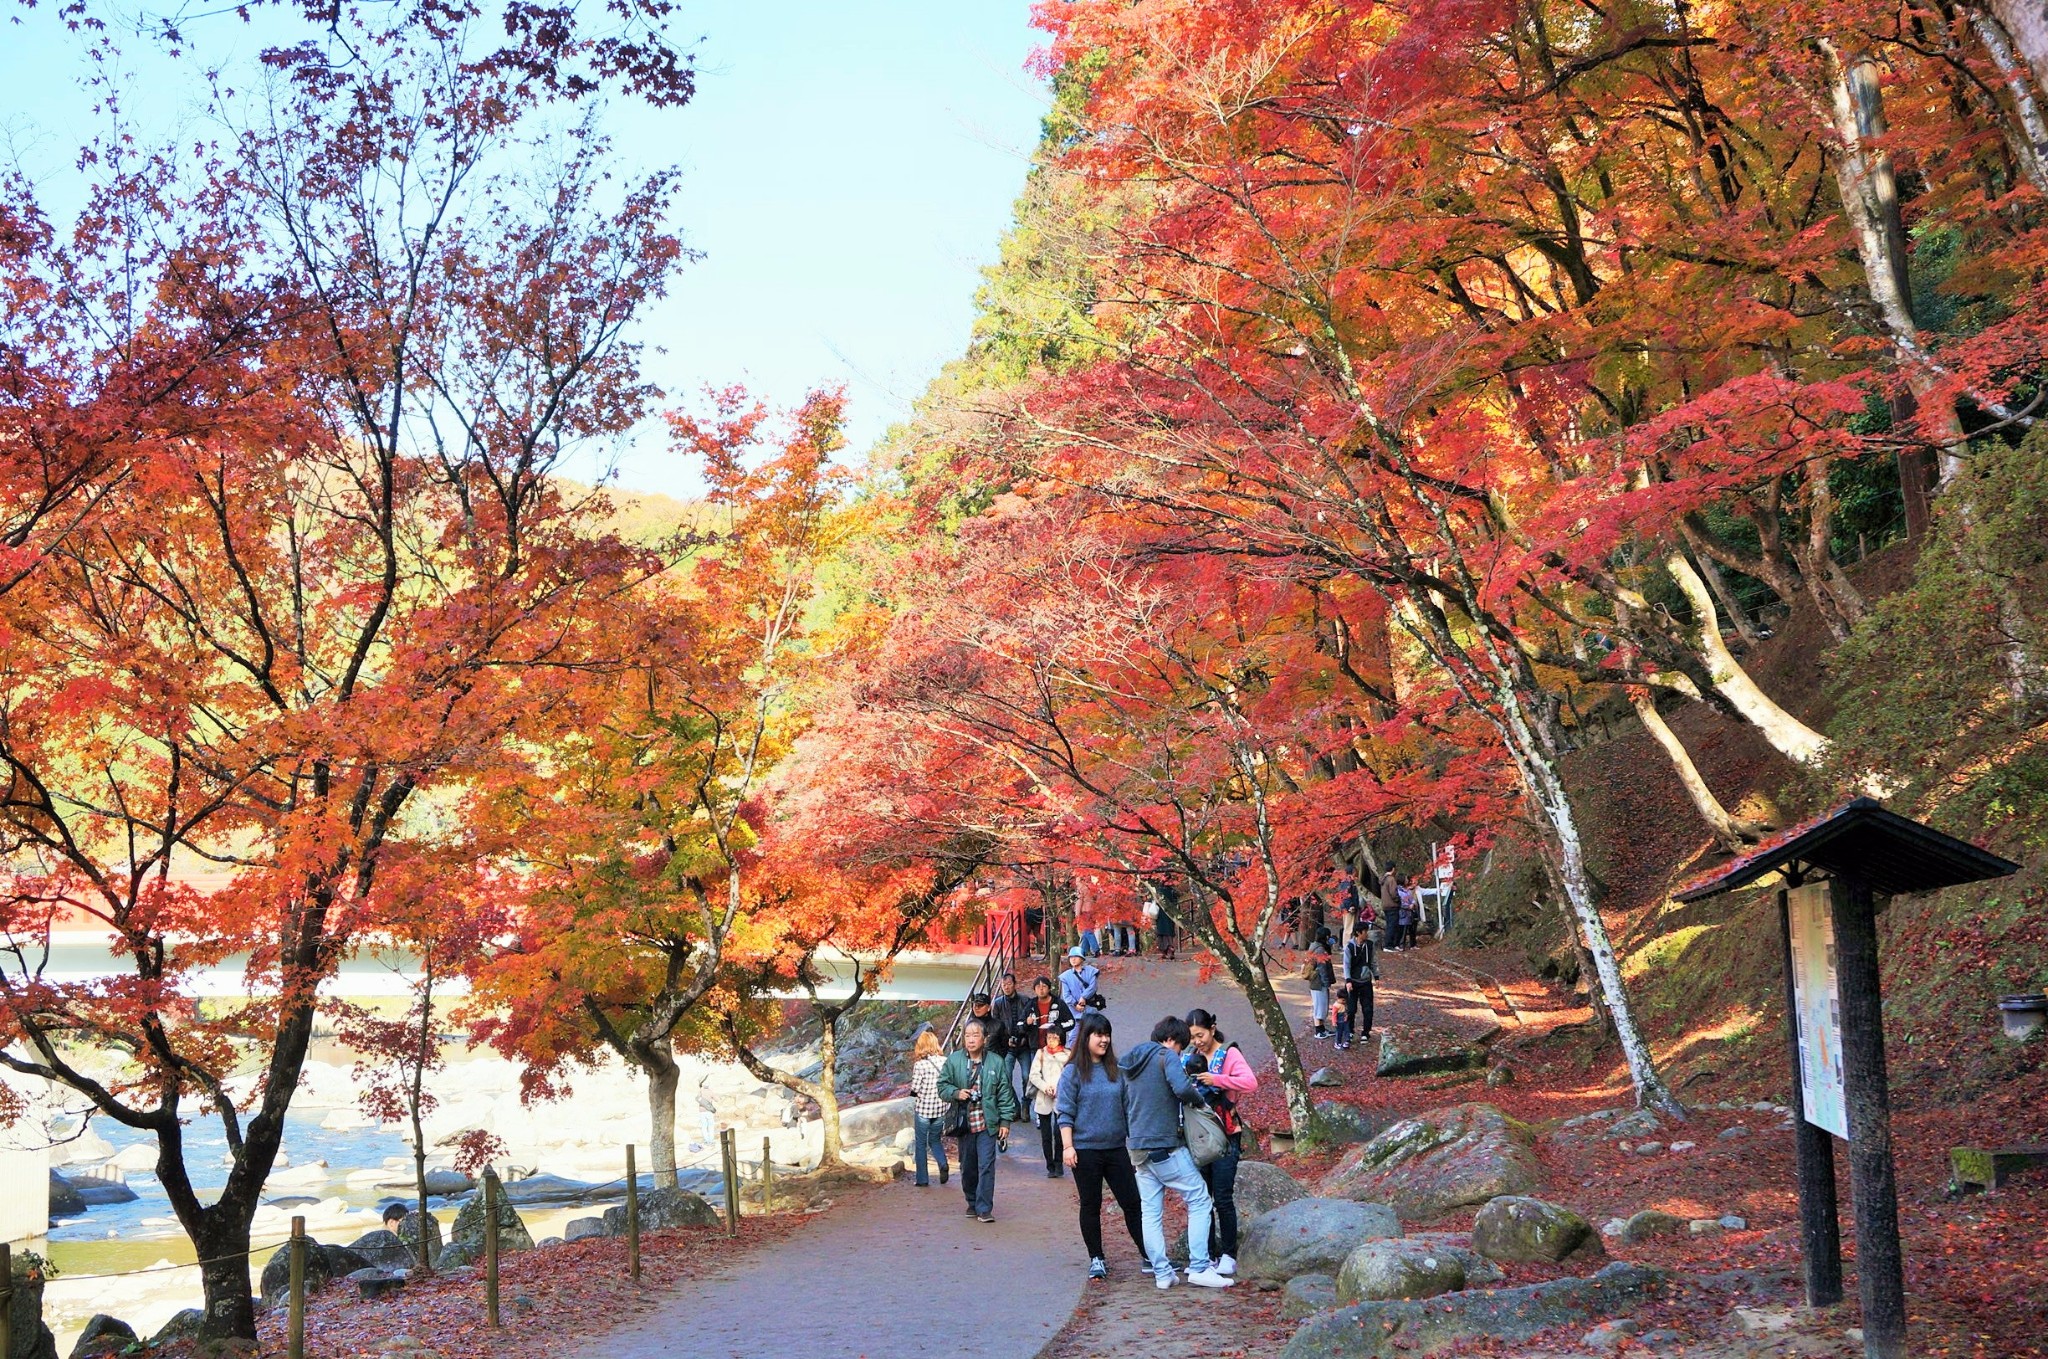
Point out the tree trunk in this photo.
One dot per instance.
(657, 1059)
(1711, 570)
(1797, 741)
(2027, 22)
(1257, 984)
(417, 1093)
(1732, 834)
(223, 1245)
(2030, 147)
(825, 1090)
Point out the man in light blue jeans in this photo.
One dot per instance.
(1155, 1086)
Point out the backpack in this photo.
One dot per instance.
(1204, 1134)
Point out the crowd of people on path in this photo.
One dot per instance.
(1160, 1118)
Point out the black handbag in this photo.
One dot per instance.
(956, 1115)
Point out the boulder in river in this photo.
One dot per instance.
(1310, 1236)
(1379, 1270)
(65, 1200)
(1443, 1159)
(102, 1335)
(441, 1184)
(549, 1189)
(875, 1122)
(1514, 1227)
(664, 1210)
(1407, 1330)
(101, 1186)
(1262, 1187)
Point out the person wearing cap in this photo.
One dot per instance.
(1077, 983)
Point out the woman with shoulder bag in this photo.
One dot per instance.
(1046, 1065)
(1221, 1070)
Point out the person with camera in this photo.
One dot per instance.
(1220, 1070)
(975, 1084)
(1156, 1085)
(1015, 1036)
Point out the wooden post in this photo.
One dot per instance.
(491, 1249)
(1820, 1222)
(295, 1328)
(6, 1300)
(1873, 1182)
(632, 1217)
(729, 1149)
(767, 1180)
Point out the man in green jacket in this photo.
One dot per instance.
(977, 1079)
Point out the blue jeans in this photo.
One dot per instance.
(1178, 1173)
(925, 1136)
(978, 1171)
(1089, 947)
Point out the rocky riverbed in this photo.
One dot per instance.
(563, 1160)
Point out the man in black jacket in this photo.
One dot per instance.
(1016, 1035)
(1360, 963)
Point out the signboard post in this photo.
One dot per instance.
(1820, 1223)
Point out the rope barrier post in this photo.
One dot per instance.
(632, 1217)
(490, 1249)
(6, 1300)
(295, 1328)
(767, 1180)
(729, 1149)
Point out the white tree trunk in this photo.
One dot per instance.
(1797, 741)
(2027, 22)
(2031, 151)
(1732, 834)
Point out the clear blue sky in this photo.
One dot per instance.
(849, 166)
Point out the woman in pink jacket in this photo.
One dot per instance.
(1224, 1075)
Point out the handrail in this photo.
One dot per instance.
(1000, 951)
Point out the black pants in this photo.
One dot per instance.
(1221, 1177)
(1049, 1139)
(1358, 1008)
(1092, 1169)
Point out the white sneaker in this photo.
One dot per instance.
(1227, 1266)
(1165, 1281)
(1209, 1278)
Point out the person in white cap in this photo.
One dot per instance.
(1077, 983)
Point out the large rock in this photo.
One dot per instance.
(1480, 1272)
(582, 1228)
(664, 1210)
(1308, 1294)
(1262, 1187)
(1342, 1123)
(1405, 1330)
(409, 1233)
(1514, 1228)
(1310, 1236)
(550, 1189)
(101, 1186)
(440, 1184)
(323, 1265)
(102, 1335)
(1416, 1049)
(384, 1250)
(373, 1283)
(183, 1325)
(876, 1122)
(1443, 1159)
(1379, 1270)
(466, 1237)
(65, 1200)
(29, 1337)
(1649, 1224)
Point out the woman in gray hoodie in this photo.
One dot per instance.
(1089, 1109)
